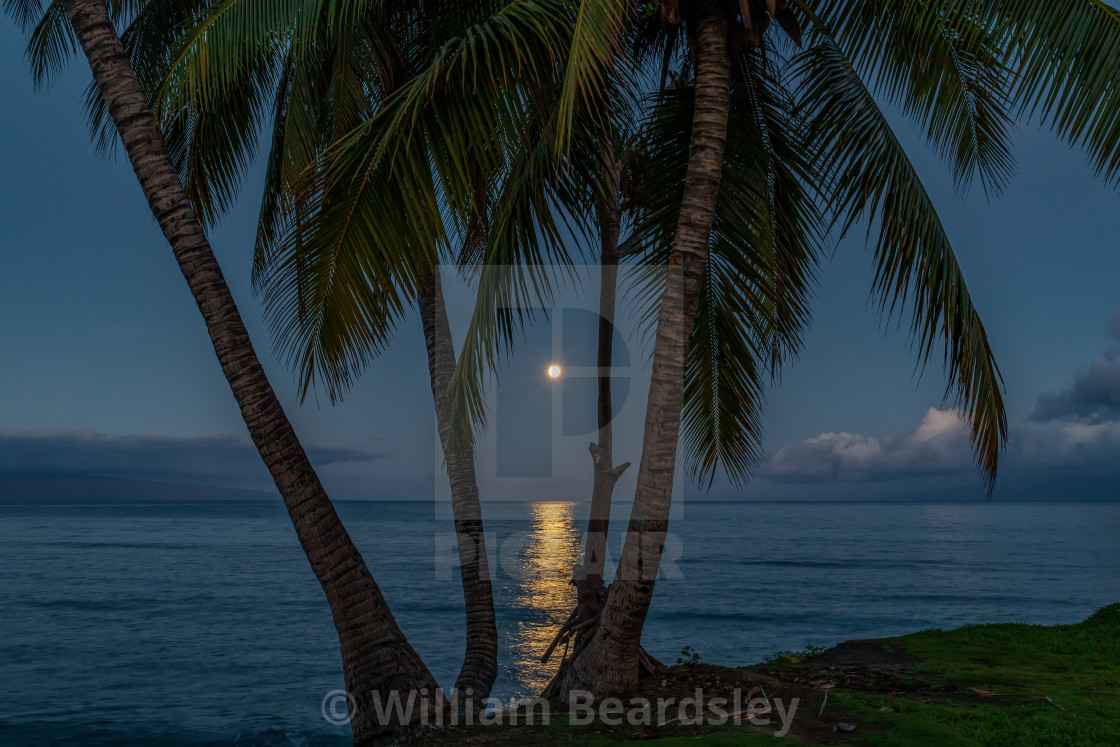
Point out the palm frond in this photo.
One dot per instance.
(50, 45)
(213, 53)
(319, 99)
(286, 160)
(766, 241)
(593, 55)
(946, 68)
(213, 147)
(529, 224)
(51, 41)
(1066, 71)
(872, 178)
(332, 309)
(211, 131)
(25, 13)
(376, 209)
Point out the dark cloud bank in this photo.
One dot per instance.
(70, 465)
(1094, 396)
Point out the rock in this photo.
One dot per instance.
(841, 726)
(887, 709)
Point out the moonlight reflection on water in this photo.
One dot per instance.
(541, 590)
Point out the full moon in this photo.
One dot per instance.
(554, 371)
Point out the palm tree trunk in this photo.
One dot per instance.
(602, 453)
(609, 663)
(480, 665)
(376, 658)
(588, 576)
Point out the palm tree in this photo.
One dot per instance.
(606, 179)
(588, 576)
(334, 75)
(422, 191)
(377, 659)
(962, 70)
(612, 666)
(370, 179)
(480, 663)
(756, 286)
(767, 238)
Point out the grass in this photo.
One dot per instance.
(991, 685)
(1053, 685)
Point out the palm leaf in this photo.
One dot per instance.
(51, 44)
(766, 241)
(529, 223)
(1066, 71)
(593, 55)
(946, 68)
(871, 177)
(377, 208)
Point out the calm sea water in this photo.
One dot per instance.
(194, 623)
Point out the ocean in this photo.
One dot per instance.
(201, 623)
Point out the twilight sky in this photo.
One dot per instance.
(106, 369)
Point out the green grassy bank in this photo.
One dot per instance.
(1003, 684)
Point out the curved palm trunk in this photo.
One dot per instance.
(376, 658)
(480, 665)
(609, 663)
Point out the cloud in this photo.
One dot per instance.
(1094, 396)
(218, 460)
(1067, 445)
(939, 445)
(1075, 430)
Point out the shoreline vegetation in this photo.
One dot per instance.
(992, 684)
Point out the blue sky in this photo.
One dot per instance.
(101, 346)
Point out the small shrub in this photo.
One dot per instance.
(688, 656)
(788, 657)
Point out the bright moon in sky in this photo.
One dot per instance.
(554, 371)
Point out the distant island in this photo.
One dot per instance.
(47, 488)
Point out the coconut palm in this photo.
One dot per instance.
(768, 238)
(605, 176)
(963, 70)
(331, 79)
(332, 307)
(348, 237)
(377, 658)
